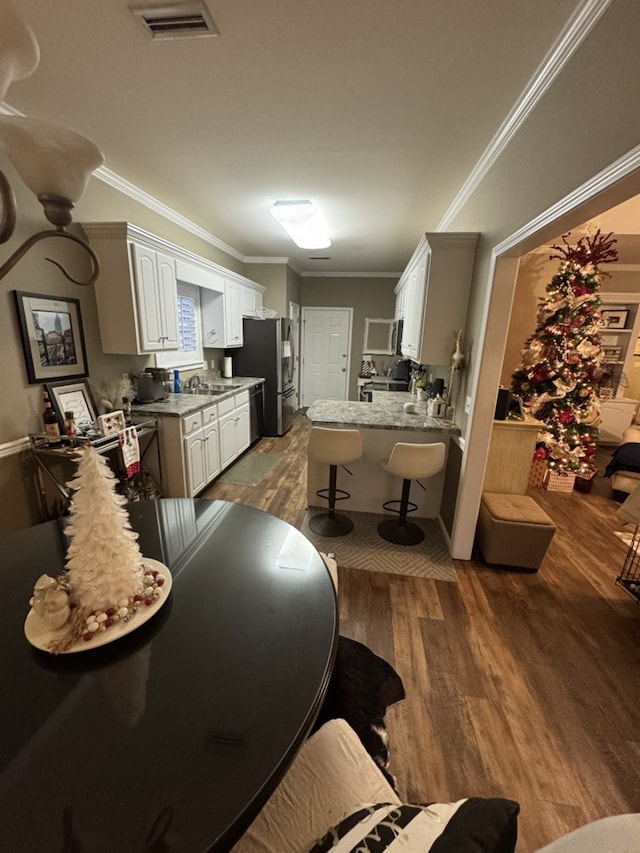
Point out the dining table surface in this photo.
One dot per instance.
(172, 737)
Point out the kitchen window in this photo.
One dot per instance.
(189, 353)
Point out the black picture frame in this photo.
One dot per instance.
(614, 318)
(73, 397)
(52, 336)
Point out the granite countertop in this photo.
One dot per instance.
(179, 405)
(385, 412)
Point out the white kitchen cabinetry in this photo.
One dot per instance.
(234, 427)
(202, 453)
(251, 300)
(136, 291)
(233, 314)
(156, 290)
(190, 452)
(222, 313)
(435, 291)
(400, 292)
(197, 447)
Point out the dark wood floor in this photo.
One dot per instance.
(518, 685)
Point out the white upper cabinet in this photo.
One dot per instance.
(434, 289)
(222, 312)
(233, 314)
(155, 286)
(136, 291)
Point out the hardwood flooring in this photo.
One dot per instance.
(519, 685)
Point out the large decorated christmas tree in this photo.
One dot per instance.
(561, 371)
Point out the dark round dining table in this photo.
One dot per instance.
(169, 739)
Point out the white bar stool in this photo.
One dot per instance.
(411, 462)
(333, 447)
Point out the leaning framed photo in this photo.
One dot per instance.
(73, 397)
(611, 353)
(52, 336)
(615, 318)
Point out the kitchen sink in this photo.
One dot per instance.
(212, 390)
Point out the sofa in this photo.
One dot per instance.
(334, 796)
(624, 466)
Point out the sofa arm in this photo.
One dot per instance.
(620, 833)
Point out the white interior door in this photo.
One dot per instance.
(326, 347)
(294, 316)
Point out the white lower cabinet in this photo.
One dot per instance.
(234, 427)
(197, 447)
(202, 458)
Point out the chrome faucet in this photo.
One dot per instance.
(194, 381)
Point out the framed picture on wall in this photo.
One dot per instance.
(52, 336)
(615, 318)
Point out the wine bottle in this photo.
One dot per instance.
(51, 425)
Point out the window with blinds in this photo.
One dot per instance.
(188, 310)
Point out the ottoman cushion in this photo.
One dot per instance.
(513, 530)
(516, 508)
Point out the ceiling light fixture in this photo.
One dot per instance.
(54, 162)
(302, 222)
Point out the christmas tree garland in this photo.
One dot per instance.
(561, 370)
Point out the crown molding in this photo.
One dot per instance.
(249, 259)
(119, 183)
(604, 180)
(578, 27)
(315, 274)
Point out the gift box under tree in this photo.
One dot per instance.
(538, 472)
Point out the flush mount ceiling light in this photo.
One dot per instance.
(302, 222)
(54, 162)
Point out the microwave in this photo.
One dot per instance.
(396, 337)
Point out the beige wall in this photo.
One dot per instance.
(274, 278)
(586, 120)
(21, 408)
(369, 297)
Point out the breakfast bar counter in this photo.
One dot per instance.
(385, 412)
(382, 423)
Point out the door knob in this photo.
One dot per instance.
(344, 369)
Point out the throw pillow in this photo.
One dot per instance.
(475, 825)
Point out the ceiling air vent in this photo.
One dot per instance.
(181, 20)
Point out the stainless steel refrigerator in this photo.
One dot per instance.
(268, 350)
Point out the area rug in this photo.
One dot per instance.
(361, 688)
(251, 469)
(365, 549)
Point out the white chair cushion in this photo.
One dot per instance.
(334, 446)
(415, 461)
(330, 777)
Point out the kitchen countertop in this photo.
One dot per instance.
(179, 405)
(385, 412)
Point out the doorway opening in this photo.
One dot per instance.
(619, 183)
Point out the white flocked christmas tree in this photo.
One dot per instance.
(104, 562)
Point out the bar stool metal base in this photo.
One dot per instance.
(399, 533)
(327, 525)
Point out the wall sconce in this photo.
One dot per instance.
(303, 224)
(54, 162)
